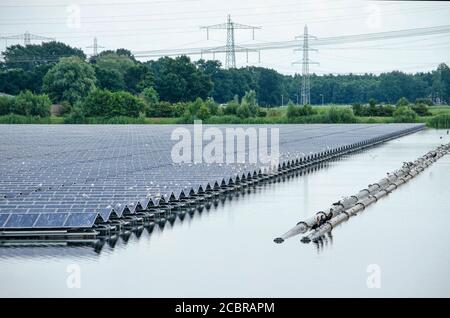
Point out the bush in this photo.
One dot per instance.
(404, 114)
(194, 107)
(125, 104)
(65, 109)
(159, 109)
(249, 100)
(97, 103)
(426, 101)
(212, 106)
(118, 120)
(243, 111)
(274, 112)
(20, 119)
(373, 110)
(178, 109)
(76, 116)
(231, 108)
(402, 102)
(439, 121)
(261, 113)
(386, 110)
(339, 115)
(150, 95)
(203, 112)
(294, 111)
(6, 105)
(307, 110)
(421, 109)
(29, 104)
(358, 109)
(106, 104)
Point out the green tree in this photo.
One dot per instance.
(103, 103)
(150, 95)
(340, 115)
(29, 104)
(358, 109)
(194, 107)
(69, 80)
(292, 110)
(6, 105)
(203, 112)
(97, 103)
(125, 104)
(243, 110)
(441, 82)
(404, 114)
(180, 80)
(212, 106)
(109, 79)
(421, 109)
(30, 56)
(250, 101)
(231, 107)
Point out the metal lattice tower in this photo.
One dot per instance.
(27, 38)
(95, 47)
(306, 86)
(230, 49)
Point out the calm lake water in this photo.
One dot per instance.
(229, 251)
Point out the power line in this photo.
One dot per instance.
(445, 29)
(26, 37)
(94, 4)
(172, 18)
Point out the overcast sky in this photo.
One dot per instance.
(161, 24)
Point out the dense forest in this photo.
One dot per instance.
(66, 74)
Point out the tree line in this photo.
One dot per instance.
(66, 75)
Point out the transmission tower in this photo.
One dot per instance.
(95, 47)
(305, 61)
(27, 37)
(230, 48)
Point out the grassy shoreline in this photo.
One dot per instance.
(440, 119)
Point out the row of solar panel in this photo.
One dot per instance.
(120, 184)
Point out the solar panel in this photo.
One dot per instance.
(60, 176)
(80, 220)
(3, 218)
(21, 220)
(51, 220)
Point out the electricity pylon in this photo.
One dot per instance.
(95, 47)
(230, 50)
(306, 86)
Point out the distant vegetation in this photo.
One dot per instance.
(113, 87)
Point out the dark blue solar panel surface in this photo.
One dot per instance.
(63, 176)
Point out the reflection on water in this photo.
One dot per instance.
(225, 248)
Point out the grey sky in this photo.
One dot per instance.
(161, 24)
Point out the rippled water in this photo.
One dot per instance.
(228, 250)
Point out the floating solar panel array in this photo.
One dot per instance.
(72, 176)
